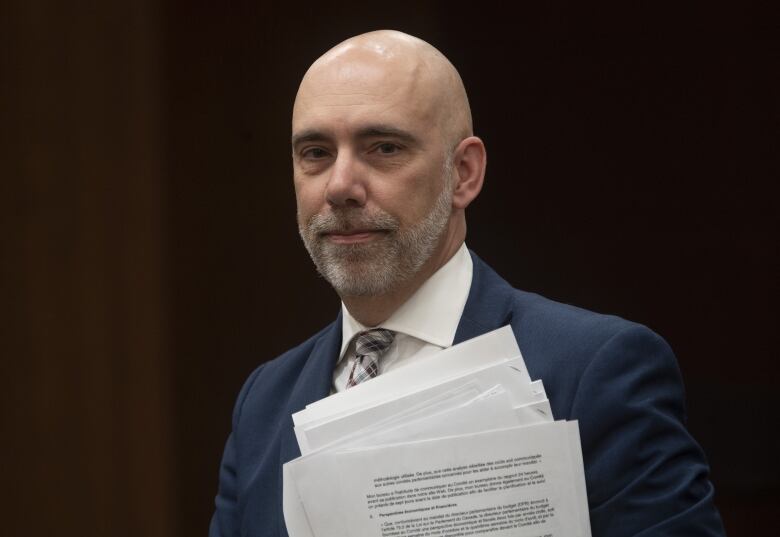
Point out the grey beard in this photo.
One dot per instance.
(383, 264)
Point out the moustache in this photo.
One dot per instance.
(345, 221)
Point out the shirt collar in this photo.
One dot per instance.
(433, 312)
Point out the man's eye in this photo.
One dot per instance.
(387, 148)
(315, 153)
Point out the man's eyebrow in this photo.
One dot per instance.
(380, 131)
(369, 131)
(309, 135)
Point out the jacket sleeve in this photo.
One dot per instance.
(645, 473)
(226, 521)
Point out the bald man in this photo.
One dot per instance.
(385, 163)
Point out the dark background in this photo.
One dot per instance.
(150, 258)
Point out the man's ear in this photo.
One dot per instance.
(469, 161)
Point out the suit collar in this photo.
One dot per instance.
(487, 306)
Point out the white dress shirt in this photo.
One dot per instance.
(424, 324)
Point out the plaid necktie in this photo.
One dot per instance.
(369, 346)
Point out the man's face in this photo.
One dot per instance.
(372, 176)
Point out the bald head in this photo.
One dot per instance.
(394, 66)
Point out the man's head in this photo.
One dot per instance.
(384, 162)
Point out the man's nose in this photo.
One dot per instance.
(346, 185)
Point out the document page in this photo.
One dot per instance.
(313, 435)
(504, 482)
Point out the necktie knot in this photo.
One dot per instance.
(375, 341)
(369, 346)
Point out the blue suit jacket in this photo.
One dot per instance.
(645, 474)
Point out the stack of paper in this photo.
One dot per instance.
(461, 443)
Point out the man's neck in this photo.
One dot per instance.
(374, 310)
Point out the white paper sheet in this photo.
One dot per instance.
(488, 411)
(504, 482)
(510, 374)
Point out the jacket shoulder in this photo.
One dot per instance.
(535, 317)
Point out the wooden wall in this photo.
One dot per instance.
(86, 438)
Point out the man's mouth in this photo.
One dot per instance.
(354, 236)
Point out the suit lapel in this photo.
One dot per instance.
(313, 384)
(487, 306)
